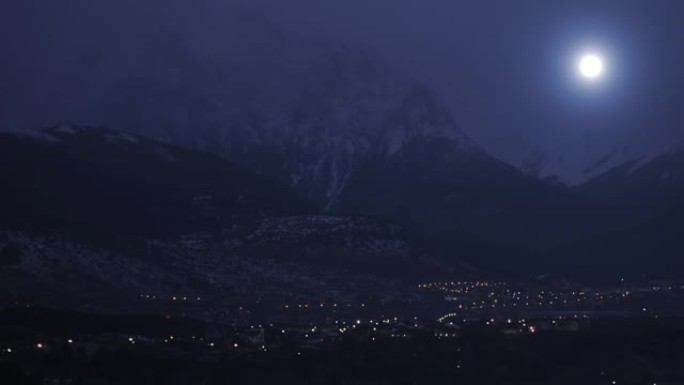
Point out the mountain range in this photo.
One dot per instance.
(433, 202)
(299, 163)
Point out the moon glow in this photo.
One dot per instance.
(591, 66)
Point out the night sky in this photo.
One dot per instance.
(506, 68)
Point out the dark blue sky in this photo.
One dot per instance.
(506, 68)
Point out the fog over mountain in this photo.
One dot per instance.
(77, 61)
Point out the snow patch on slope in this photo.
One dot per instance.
(121, 137)
(67, 129)
(38, 135)
(572, 170)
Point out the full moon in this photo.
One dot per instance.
(591, 66)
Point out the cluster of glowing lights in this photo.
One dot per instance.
(173, 298)
(306, 305)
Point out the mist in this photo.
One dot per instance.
(501, 69)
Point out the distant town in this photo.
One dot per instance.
(466, 319)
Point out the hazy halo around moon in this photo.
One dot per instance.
(591, 66)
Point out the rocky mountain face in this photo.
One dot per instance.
(332, 123)
(304, 115)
